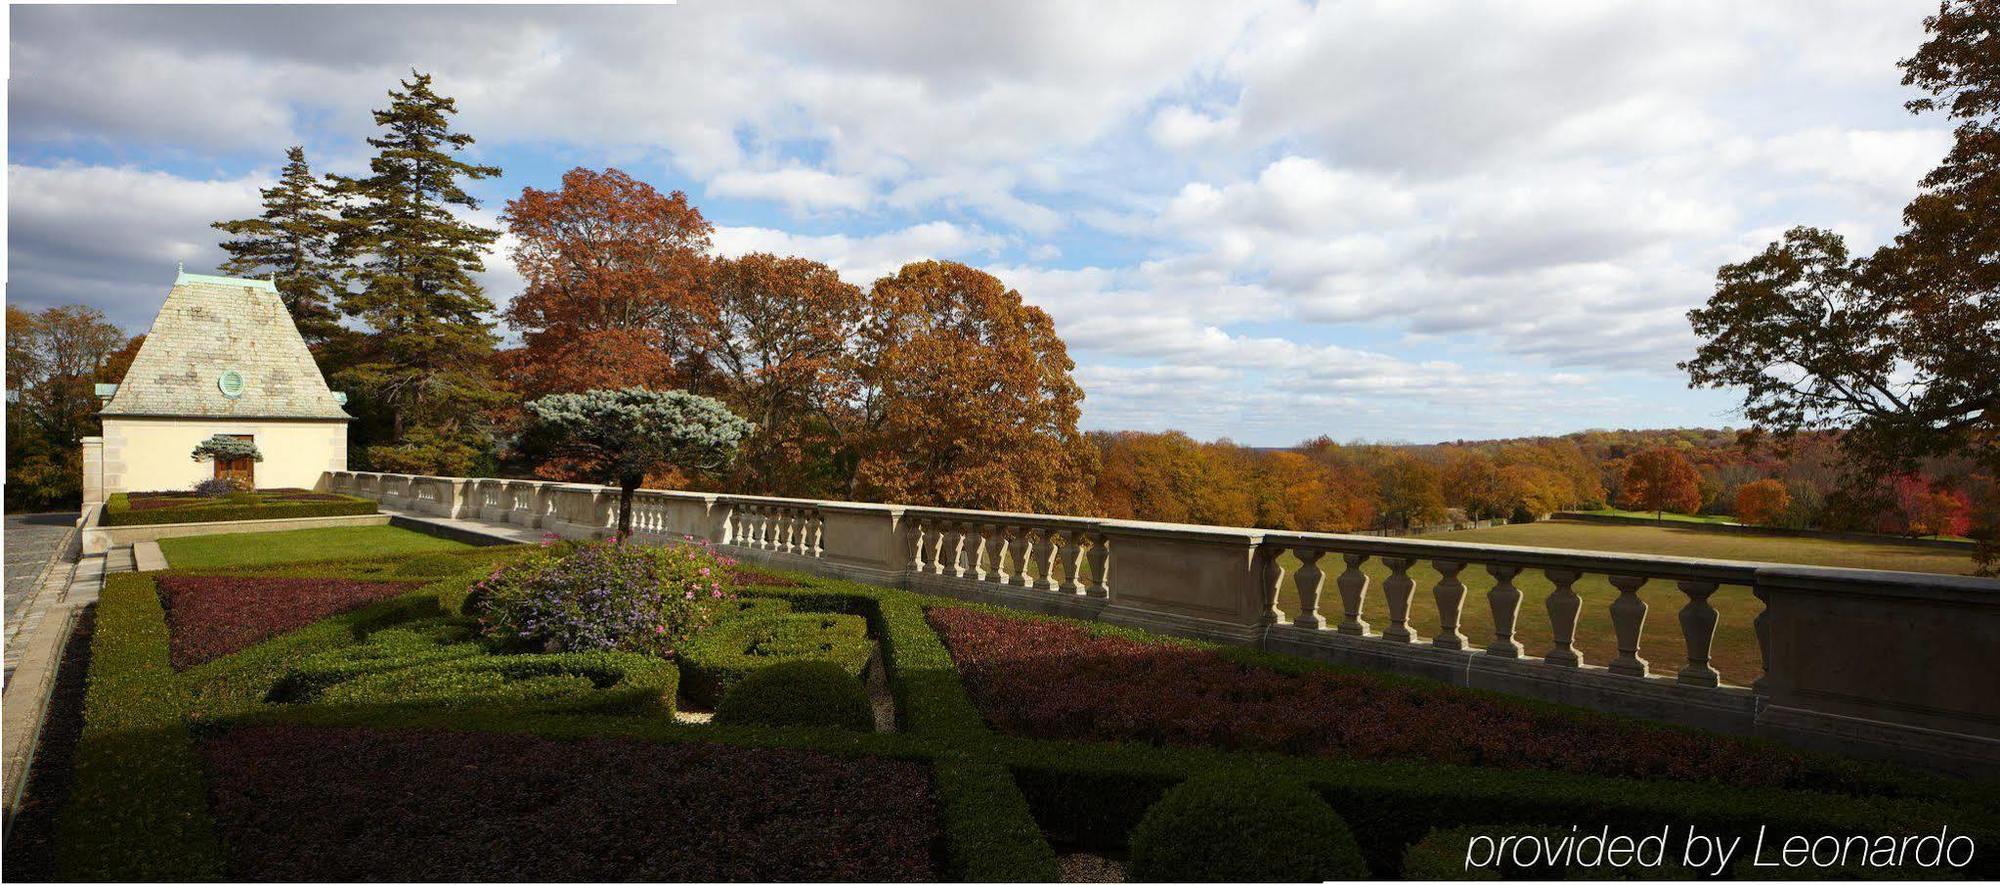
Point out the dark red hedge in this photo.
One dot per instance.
(209, 617)
(1051, 680)
(306, 804)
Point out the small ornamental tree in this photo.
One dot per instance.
(226, 448)
(1661, 479)
(1762, 502)
(626, 434)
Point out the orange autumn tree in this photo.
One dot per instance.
(610, 266)
(1762, 502)
(964, 397)
(773, 336)
(1661, 479)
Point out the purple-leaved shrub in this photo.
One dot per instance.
(607, 596)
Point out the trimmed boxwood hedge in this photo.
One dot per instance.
(606, 681)
(118, 511)
(137, 811)
(1238, 827)
(799, 693)
(421, 642)
(718, 658)
(990, 836)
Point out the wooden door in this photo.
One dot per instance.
(243, 470)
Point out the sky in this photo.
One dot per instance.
(1392, 220)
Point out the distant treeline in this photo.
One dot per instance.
(1322, 485)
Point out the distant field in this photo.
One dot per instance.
(1735, 649)
(1715, 519)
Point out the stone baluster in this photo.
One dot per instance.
(1698, 627)
(919, 535)
(1310, 581)
(982, 552)
(1100, 566)
(1028, 536)
(1052, 560)
(1076, 565)
(960, 533)
(1002, 536)
(941, 546)
(1396, 591)
(1761, 625)
(1628, 620)
(818, 534)
(1505, 600)
(1450, 596)
(1271, 572)
(1353, 584)
(1563, 605)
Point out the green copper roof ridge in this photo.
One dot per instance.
(182, 276)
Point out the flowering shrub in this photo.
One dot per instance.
(220, 486)
(608, 596)
(294, 803)
(212, 616)
(1052, 680)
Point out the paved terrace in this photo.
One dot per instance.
(1891, 665)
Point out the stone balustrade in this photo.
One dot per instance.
(1887, 664)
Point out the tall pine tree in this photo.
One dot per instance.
(424, 374)
(293, 241)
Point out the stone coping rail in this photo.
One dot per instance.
(1891, 665)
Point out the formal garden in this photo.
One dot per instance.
(421, 709)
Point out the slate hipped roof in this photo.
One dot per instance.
(213, 325)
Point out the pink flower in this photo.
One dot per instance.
(715, 594)
(688, 595)
(704, 571)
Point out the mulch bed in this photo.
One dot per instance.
(315, 804)
(31, 839)
(1052, 680)
(209, 617)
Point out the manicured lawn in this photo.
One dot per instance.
(1735, 652)
(1670, 540)
(302, 545)
(1712, 518)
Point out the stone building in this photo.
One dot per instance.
(222, 357)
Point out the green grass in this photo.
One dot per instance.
(1711, 518)
(1735, 652)
(302, 545)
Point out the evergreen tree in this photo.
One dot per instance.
(293, 241)
(423, 375)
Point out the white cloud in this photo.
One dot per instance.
(1397, 218)
(862, 259)
(799, 188)
(111, 236)
(1179, 127)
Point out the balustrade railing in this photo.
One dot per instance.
(1514, 617)
(1052, 554)
(1634, 578)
